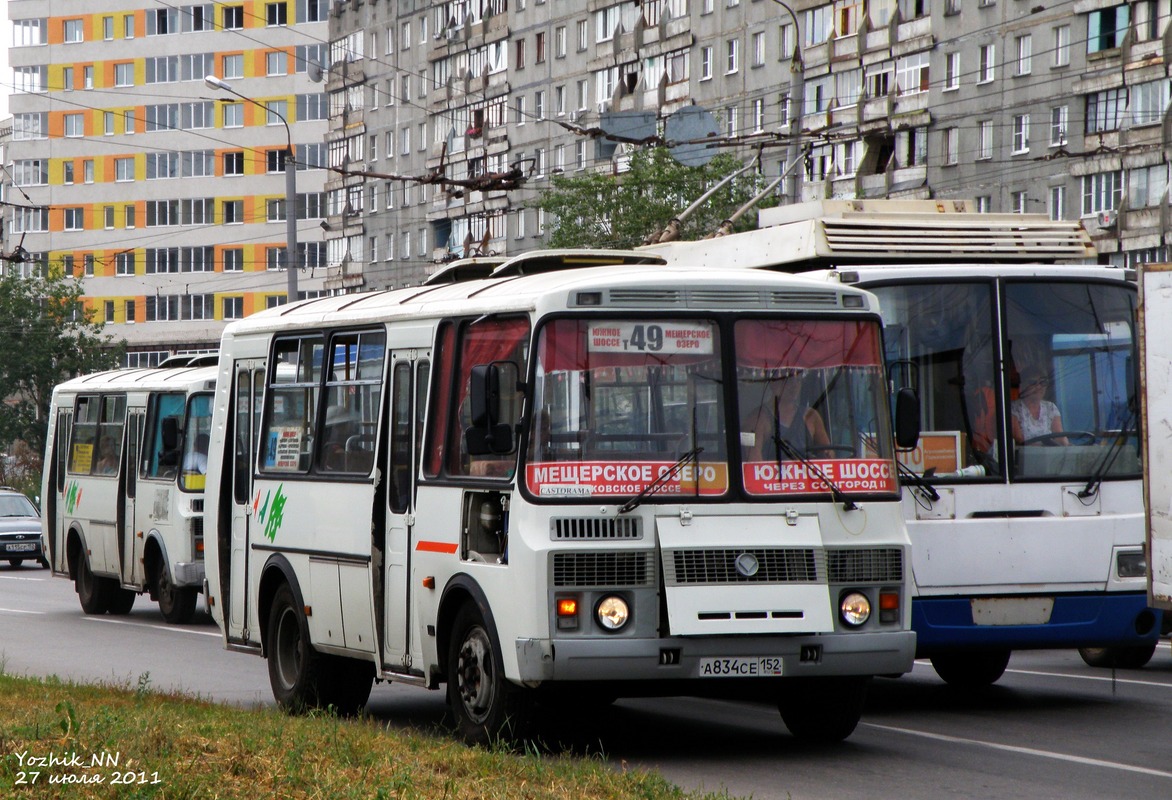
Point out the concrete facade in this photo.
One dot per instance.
(166, 196)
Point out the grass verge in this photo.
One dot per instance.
(64, 740)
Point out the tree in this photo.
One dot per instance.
(619, 211)
(49, 336)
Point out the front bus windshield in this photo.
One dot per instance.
(1070, 348)
(621, 404)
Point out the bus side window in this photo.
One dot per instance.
(291, 404)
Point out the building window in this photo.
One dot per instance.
(74, 30)
(1025, 46)
(234, 162)
(124, 74)
(124, 263)
(732, 50)
(987, 69)
(705, 63)
(276, 63)
(1146, 185)
(1105, 110)
(1149, 101)
(985, 139)
(233, 115)
(233, 259)
(74, 219)
(1061, 46)
(1147, 20)
(232, 307)
(1106, 28)
(1021, 134)
(1101, 192)
(1059, 124)
(232, 212)
(951, 71)
(951, 146)
(75, 125)
(123, 169)
(276, 14)
(1057, 203)
(233, 17)
(818, 25)
(1018, 201)
(911, 73)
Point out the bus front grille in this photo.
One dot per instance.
(594, 528)
(741, 565)
(586, 570)
(865, 565)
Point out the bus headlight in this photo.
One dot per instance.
(612, 612)
(854, 608)
(1132, 564)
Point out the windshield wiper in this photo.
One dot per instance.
(1108, 459)
(658, 483)
(783, 444)
(918, 483)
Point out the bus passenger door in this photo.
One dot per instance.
(56, 504)
(248, 387)
(409, 370)
(131, 536)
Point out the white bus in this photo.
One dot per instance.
(560, 484)
(123, 487)
(1021, 537)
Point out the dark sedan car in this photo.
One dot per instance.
(20, 529)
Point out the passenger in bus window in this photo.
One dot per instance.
(783, 415)
(107, 463)
(197, 459)
(1036, 420)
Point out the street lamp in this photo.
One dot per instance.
(798, 92)
(292, 262)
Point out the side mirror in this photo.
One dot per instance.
(490, 388)
(170, 433)
(907, 419)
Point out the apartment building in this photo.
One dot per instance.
(1023, 106)
(165, 195)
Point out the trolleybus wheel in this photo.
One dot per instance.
(92, 591)
(971, 668)
(295, 668)
(1133, 657)
(121, 600)
(485, 704)
(822, 709)
(15, 562)
(176, 602)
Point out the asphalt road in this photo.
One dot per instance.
(1051, 728)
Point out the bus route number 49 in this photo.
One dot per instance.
(740, 667)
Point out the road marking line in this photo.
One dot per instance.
(16, 578)
(18, 611)
(1071, 675)
(1028, 751)
(152, 627)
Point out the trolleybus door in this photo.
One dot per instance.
(248, 389)
(409, 370)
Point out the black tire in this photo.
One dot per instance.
(295, 668)
(16, 562)
(486, 705)
(823, 710)
(121, 601)
(44, 563)
(176, 602)
(93, 592)
(1134, 657)
(971, 669)
(346, 684)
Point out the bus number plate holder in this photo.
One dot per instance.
(741, 667)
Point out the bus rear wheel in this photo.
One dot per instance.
(176, 602)
(121, 600)
(1134, 657)
(295, 668)
(486, 705)
(823, 710)
(346, 684)
(971, 669)
(93, 592)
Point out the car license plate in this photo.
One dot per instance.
(740, 667)
(25, 547)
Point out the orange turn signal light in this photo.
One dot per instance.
(568, 607)
(888, 601)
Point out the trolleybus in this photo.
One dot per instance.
(563, 482)
(123, 487)
(1020, 538)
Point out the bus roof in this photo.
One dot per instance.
(643, 287)
(143, 380)
(835, 232)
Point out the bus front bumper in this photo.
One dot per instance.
(615, 659)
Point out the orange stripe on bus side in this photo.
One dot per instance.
(436, 547)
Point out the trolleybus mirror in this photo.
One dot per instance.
(907, 419)
(170, 452)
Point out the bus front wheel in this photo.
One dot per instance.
(971, 669)
(485, 704)
(823, 710)
(93, 592)
(176, 602)
(294, 666)
(1134, 657)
